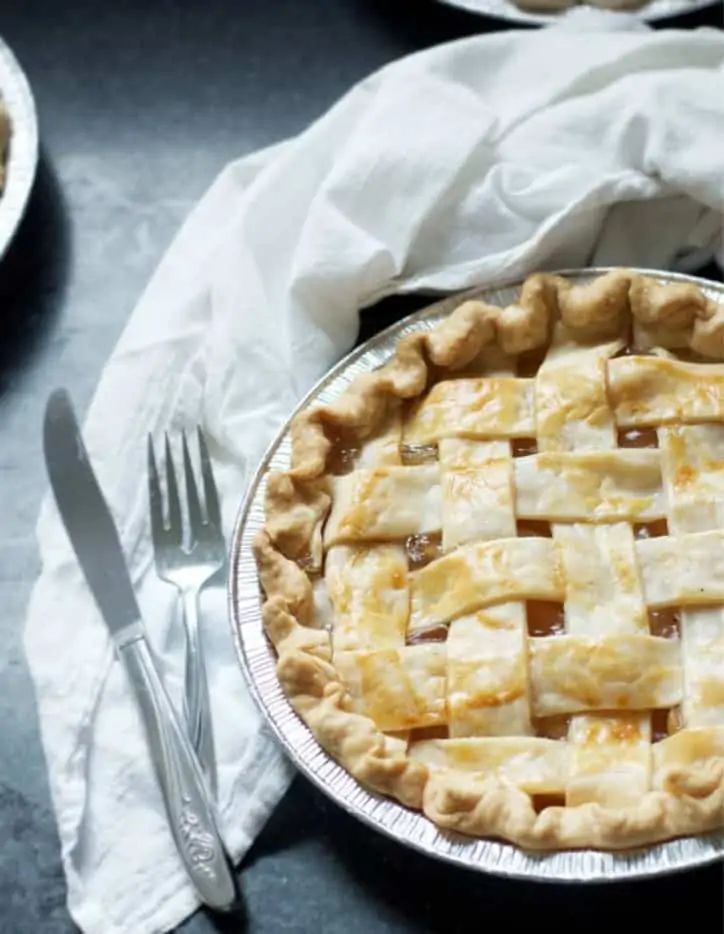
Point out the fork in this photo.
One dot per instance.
(189, 568)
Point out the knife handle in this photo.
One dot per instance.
(188, 806)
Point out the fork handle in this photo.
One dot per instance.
(197, 703)
(189, 809)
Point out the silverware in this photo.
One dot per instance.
(93, 535)
(189, 565)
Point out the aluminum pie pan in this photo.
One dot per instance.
(653, 12)
(23, 145)
(258, 662)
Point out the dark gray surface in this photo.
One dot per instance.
(140, 105)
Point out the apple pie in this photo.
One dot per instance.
(493, 574)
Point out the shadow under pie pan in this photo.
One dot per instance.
(258, 660)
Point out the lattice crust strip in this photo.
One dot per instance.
(468, 607)
(605, 602)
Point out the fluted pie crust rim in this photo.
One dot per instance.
(297, 502)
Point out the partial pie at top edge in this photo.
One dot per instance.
(494, 572)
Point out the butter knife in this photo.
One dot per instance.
(95, 540)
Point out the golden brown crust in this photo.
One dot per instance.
(487, 807)
(297, 504)
(295, 510)
(356, 742)
(283, 578)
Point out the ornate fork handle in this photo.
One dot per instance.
(190, 812)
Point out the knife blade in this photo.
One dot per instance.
(94, 537)
(86, 516)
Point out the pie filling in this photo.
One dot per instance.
(525, 570)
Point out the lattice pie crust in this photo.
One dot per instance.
(494, 573)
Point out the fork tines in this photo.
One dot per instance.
(168, 529)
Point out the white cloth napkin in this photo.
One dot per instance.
(471, 163)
